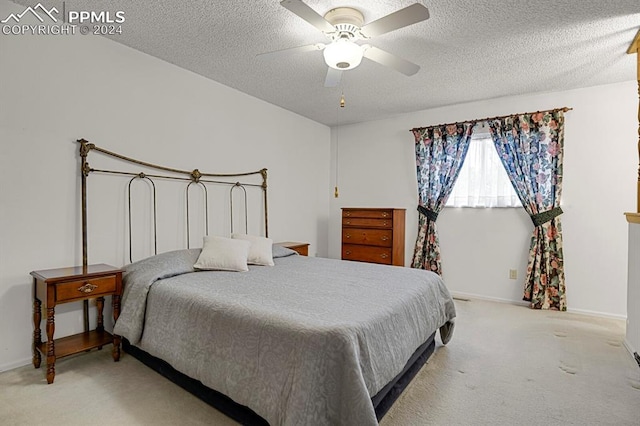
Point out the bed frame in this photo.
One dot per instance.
(194, 177)
(382, 401)
(153, 174)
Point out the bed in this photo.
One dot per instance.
(305, 341)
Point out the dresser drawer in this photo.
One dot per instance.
(366, 253)
(85, 288)
(367, 222)
(372, 237)
(368, 213)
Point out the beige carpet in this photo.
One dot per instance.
(506, 365)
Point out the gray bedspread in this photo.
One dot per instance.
(308, 341)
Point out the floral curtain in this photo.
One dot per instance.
(440, 152)
(530, 147)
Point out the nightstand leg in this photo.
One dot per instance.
(100, 325)
(100, 306)
(37, 336)
(116, 338)
(51, 350)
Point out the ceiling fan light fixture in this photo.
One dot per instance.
(343, 55)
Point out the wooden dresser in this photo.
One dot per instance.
(373, 235)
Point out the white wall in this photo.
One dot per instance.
(56, 89)
(376, 168)
(632, 340)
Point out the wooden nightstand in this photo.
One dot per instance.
(55, 286)
(301, 248)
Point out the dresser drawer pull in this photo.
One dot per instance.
(87, 288)
(384, 255)
(347, 213)
(384, 223)
(384, 238)
(385, 214)
(348, 222)
(348, 252)
(348, 236)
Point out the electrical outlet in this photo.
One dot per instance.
(513, 274)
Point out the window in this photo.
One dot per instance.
(483, 182)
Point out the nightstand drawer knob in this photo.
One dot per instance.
(385, 214)
(87, 288)
(384, 255)
(348, 252)
(384, 238)
(348, 236)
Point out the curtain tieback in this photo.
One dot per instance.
(430, 214)
(544, 217)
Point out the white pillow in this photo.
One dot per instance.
(223, 254)
(261, 250)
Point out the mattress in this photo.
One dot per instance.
(307, 341)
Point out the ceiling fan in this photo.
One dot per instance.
(344, 26)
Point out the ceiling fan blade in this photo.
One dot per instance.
(291, 51)
(333, 77)
(308, 14)
(401, 18)
(392, 61)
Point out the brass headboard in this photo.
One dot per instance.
(192, 178)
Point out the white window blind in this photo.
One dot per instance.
(483, 182)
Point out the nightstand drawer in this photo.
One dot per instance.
(367, 222)
(373, 237)
(81, 289)
(366, 253)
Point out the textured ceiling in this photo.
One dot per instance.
(468, 50)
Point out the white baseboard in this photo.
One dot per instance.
(597, 314)
(630, 348)
(460, 295)
(15, 364)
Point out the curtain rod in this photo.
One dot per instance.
(563, 109)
